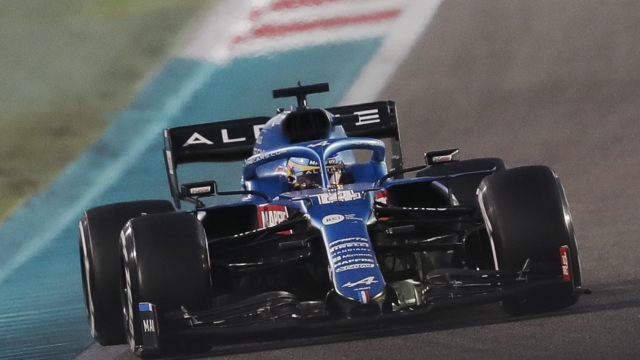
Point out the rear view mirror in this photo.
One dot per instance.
(441, 156)
(198, 189)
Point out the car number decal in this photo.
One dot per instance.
(335, 196)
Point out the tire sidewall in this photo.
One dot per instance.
(99, 230)
(166, 263)
(527, 218)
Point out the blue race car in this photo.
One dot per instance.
(322, 234)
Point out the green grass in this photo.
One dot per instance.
(65, 64)
(35, 148)
(127, 7)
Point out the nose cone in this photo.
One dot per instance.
(354, 269)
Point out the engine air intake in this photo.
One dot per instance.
(306, 125)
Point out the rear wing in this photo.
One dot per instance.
(233, 140)
(221, 141)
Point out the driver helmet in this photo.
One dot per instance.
(304, 173)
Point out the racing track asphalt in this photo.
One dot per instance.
(534, 82)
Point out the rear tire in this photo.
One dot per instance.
(100, 264)
(166, 263)
(527, 217)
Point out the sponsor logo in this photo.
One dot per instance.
(226, 139)
(330, 161)
(322, 143)
(424, 209)
(330, 170)
(564, 259)
(197, 138)
(352, 217)
(354, 267)
(350, 251)
(263, 156)
(332, 219)
(367, 117)
(362, 257)
(271, 215)
(366, 281)
(443, 158)
(349, 245)
(353, 261)
(333, 243)
(149, 325)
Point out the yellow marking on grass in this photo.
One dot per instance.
(8, 204)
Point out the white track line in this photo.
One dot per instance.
(394, 50)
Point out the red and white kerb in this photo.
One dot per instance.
(266, 26)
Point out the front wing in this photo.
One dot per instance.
(444, 289)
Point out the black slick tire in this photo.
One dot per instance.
(527, 217)
(166, 263)
(100, 264)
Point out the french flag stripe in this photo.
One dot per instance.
(364, 296)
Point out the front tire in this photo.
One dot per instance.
(166, 263)
(527, 217)
(100, 264)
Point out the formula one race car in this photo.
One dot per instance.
(322, 233)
